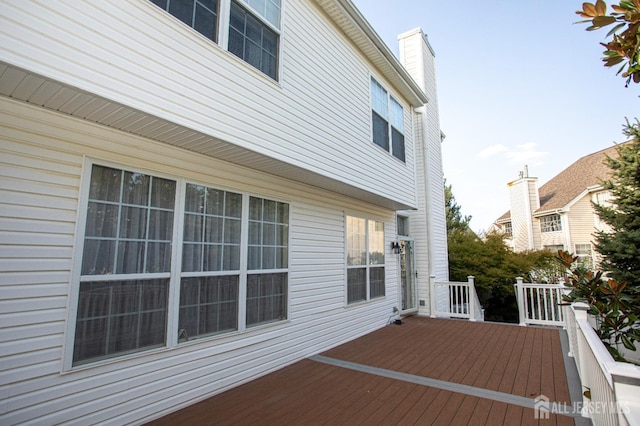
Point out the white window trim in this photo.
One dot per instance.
(175, 275)
(367, 266)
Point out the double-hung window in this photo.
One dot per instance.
(585, 255)
(253, 27)
(254, 34)
(201, 15)
(387, 121)
(365, 259)
(550, 223)
(136, 269)
(267, 261)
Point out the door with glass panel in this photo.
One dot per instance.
(408, 290)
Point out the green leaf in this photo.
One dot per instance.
(628, 343)
(615, 29)
(603, 21)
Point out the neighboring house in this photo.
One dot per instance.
(559, 215)
(197, 193)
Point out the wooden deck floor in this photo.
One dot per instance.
(523, 362)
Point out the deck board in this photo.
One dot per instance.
(521, 361)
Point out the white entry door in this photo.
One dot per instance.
(408, 290)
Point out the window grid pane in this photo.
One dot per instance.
(397, 144)
(208, 305)
(397, 116)
(379, 99)
(266, 298)
(356, 241)
(125, 232)
(268, 9)
(376, 243)
(376, 282)
(201, 15)
(551, 223)
(268, 234)
(253, 41)
(356, 285)
(380, 130)
(119, 317)
(211, 237)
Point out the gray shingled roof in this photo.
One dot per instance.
(588, 171)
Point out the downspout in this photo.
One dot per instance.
(527, 204)
(424, 159)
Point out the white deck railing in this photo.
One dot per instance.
(539, 304)
(613, 387)
(455, 300)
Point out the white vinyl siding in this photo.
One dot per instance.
(42, 157)
(315, 118)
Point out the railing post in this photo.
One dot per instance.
(520, 300)
(472, 298)
(432, 296)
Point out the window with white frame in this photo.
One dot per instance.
(550, 223)
(253, 27)
(130, 246)
(585, 255)
(402, 225)
(201, 15)
(267, 261)
(365, 259)
(387, 121)
(507, 228)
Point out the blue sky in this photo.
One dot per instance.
(518, 83)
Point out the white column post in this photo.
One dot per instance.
(432, 299)
(520, 300)
(472, 297)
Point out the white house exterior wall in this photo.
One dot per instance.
(42, 158)
(317, 117)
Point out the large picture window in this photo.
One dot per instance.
(130, 246)
(387, 121)
(365, 259)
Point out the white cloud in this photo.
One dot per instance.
(525, 154)
(492, 150)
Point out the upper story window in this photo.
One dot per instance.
(387, 121)
(136, 269)
(201, 15)
(585, 255)
(550, 223)
(254, 40)
(508, 229)
(253, 27)
(365, 259)
(402, 225)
